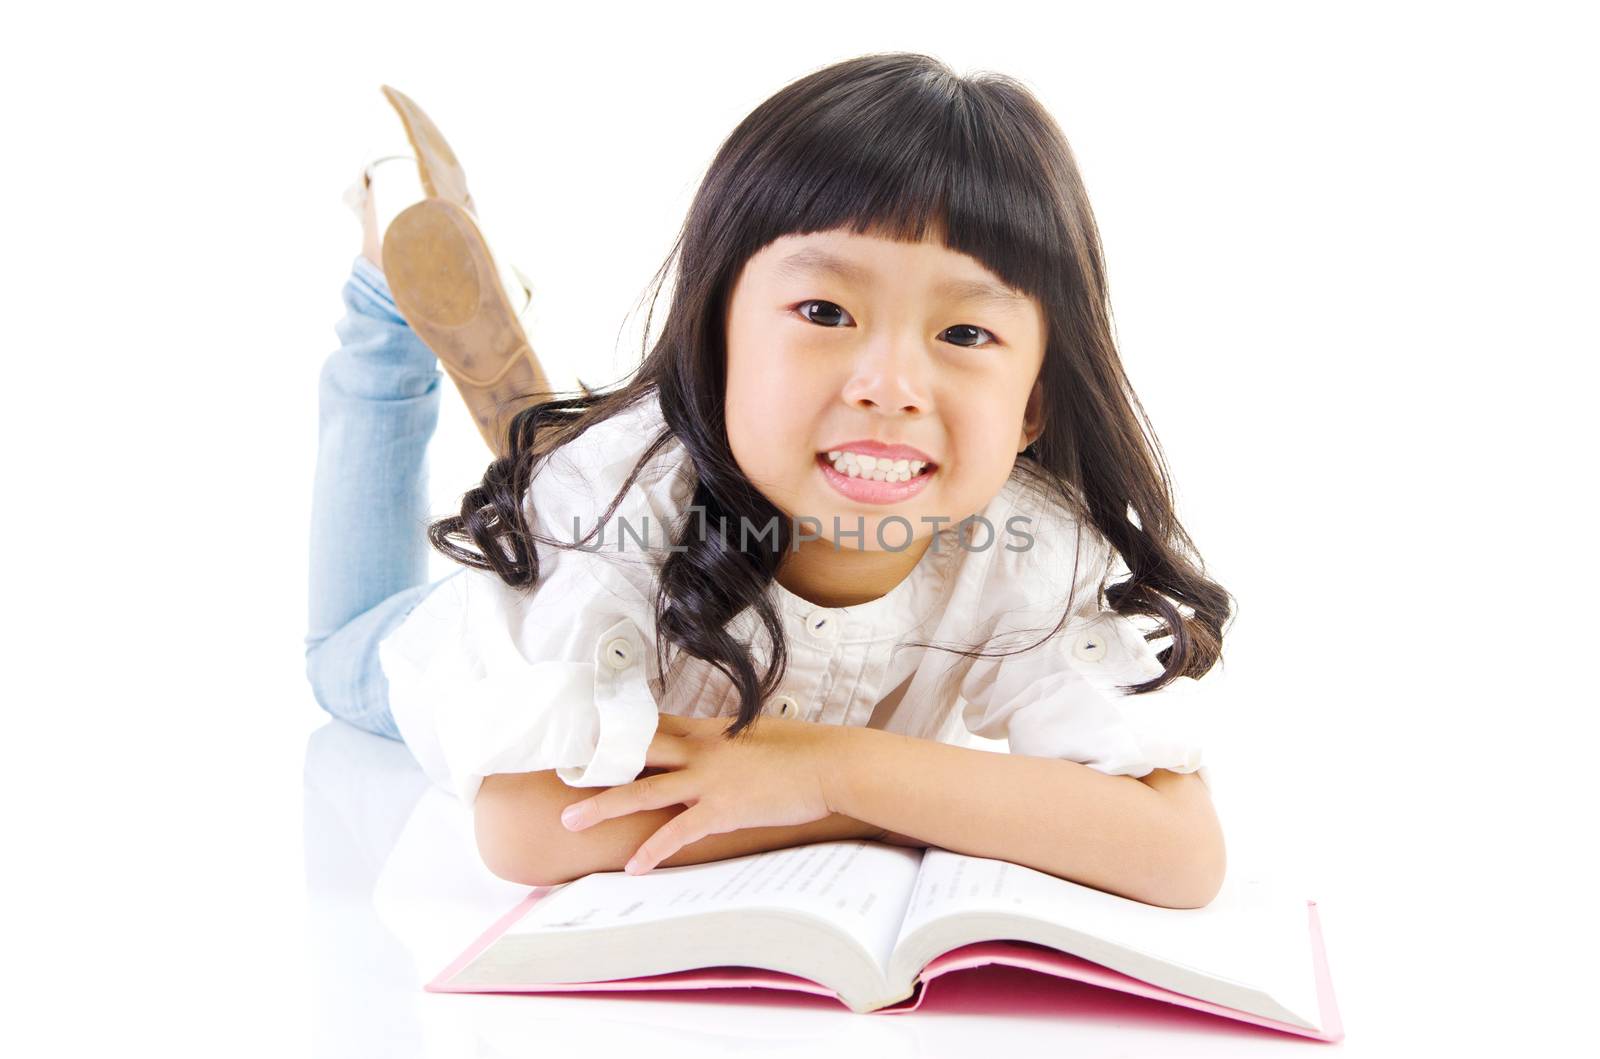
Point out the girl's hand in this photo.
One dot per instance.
(773, 774)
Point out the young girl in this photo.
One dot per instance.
(866, 488)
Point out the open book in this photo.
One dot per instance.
(871, 923)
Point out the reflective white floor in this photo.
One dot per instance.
(395, 890)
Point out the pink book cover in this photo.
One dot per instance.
(991, 991)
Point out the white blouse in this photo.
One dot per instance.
(485, 678)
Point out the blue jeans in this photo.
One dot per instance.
(378, 406)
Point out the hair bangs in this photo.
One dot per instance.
(909, 159)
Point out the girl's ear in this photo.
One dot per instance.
(1033, 416)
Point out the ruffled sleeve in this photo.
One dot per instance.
(482, 681)
(1064, 698)
(485, 678)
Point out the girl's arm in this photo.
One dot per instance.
(1155, 839)
(517, 817)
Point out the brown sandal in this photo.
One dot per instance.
(444, 283)
(447, 285)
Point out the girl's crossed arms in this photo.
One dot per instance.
(1155, 840)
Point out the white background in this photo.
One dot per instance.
(1351, 251)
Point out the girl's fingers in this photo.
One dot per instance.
(685, 829)
(651, 792)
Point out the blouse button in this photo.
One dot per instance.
(787, 706)
(619, 653)
(1091, 646)
(822, 624)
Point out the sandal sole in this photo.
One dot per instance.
(445, 284)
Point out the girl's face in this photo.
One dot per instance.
(837, 341)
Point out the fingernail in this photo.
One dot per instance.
(569, 816)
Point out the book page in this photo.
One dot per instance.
(1253, 933)
(858, 886)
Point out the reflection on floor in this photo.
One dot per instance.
(394, 886)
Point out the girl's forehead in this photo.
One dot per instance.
(866, 260)
(851, 254)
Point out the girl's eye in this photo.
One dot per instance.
(801, 308)
(973, 327)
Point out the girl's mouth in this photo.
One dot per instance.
(871, 480)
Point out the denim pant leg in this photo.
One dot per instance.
(378, 406)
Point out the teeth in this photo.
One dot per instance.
(877, 468)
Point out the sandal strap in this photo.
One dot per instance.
(355, 196)
(366, 170)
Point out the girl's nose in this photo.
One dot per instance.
(889, 376)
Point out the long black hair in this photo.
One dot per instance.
(894, 144)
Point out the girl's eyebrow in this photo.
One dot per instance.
(814, 259)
